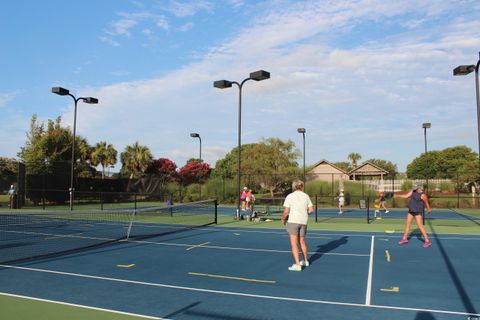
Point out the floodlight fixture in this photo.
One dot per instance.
(463, 70)
(60, 91)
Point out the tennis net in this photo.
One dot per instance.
(33, 235)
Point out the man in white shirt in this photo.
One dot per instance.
(297, 207)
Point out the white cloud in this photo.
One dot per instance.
(186, 27)
(184, 9)
(369, 97)
(8, 96)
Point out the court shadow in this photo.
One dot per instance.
(330, 246)
(217, 315)
(182, 310)
(424, 315)
(467, 302)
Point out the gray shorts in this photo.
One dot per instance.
(297, 229)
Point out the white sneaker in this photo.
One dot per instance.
(387, 211)
(304, 263)
(340, 212)
(295, 267)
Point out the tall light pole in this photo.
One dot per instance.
(302, 131)
(462, 71)
(65, 92)
(426, 126)
(196, 135)
(222, 84)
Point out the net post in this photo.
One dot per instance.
(316, 208)
(101, 201)
(135, 201)
(132, 217)
(216, 212)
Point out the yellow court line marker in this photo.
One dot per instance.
(126, 265)
(389, 231)
(229, 277)
(197, 245)
(387, 253)
(392, 289)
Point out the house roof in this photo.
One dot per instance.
(329, 164)
(368, 169)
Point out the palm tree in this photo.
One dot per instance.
(135, 159)
(103, 154)
(354, 157)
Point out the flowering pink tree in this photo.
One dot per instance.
(194, 172)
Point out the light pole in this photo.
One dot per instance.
(462, 71)
(196, 135)
(65, 92)
(222, 84)
(426, 126)
(302, 131)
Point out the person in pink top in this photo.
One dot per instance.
(243, 198)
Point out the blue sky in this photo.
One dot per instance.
(361, 76)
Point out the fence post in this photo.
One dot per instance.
(368, 210)
(458, 192)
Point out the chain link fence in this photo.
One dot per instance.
(50, 187)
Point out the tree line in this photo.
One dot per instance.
(265, 164)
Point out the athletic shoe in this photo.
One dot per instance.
(295, 267)
(403, 241)
(427, 244)
(340, 212)
(387, 211)
(304, 263)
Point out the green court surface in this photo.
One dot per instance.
(24, 308)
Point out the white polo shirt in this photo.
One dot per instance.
(298, 203)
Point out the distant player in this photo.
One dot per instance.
(341, 201)
(381, 201)
(416, 205)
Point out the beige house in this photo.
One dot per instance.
(326, 171)
(367, 171)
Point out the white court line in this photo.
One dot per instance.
(197, 245)
(246, 249)
(351, 233)
(53, 236)
(368, 295)
(80, 306)
(240, 294)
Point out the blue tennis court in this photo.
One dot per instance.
(241, 273)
